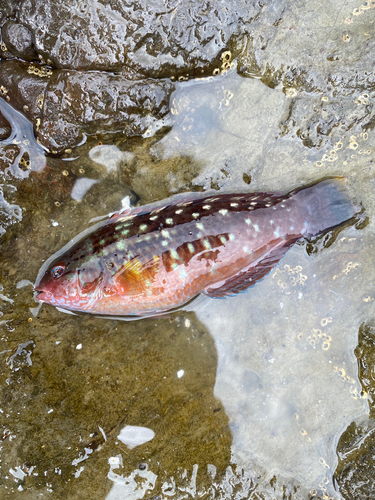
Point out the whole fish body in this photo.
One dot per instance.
(158, 257)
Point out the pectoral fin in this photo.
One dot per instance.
(135, 277)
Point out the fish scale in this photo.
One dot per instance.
(155, 258)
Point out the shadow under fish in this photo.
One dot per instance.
(153, 259)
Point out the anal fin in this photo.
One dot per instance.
(251, 274)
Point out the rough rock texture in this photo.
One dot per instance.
(106, 104)
(357, 444)
(159, 38)
(19, 41)
(137, 40)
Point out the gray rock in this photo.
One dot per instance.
(18, 40)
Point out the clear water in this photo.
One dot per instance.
(245, 397)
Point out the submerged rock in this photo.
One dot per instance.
(64, 105)
(137, 40)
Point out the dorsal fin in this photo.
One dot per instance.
(253, 273)
(159, 205)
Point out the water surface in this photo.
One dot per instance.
(264, 395)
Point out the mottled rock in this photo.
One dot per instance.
(4, 128)
(162, 38)
(357, 444)
(8, 9)
(18, 40)
(323, 66)
(69, 104)
(78, 103)
(23, 89)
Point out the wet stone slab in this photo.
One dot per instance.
(268, 394)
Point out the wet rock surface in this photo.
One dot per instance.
(157, 39)
(18, 39)
(357, 444)
(248, 397)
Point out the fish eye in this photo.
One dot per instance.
(58, 270)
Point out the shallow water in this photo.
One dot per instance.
(266, 395)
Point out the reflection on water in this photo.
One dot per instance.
(246, 397)
(287, 375)
(134, 435)
(20, 151)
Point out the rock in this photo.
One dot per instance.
(78, 103)
(69, 104)
(160, 39)
(22, 88)
(18, 40)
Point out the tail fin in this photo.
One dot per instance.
(325, 205)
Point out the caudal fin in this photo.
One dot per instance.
(325, 205)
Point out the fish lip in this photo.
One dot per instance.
(41, 295)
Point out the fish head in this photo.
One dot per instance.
(70, 283)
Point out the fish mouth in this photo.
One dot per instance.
(41, 295)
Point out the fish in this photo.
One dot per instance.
(148, 260)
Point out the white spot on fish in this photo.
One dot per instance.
(271, 221)
(253, 203)
(182, 272)
(169, 221)
(234, 204)
(174, 254)
(291, 228)
(165, 233)
(143, 227)
(200, 226)
(191, 248)
(195, 215)
(248, 221)
(213, 199)
(256, 227)
(223, 239)
(223, 211)
(246, 249)
(164, 243)
(251, 208)
(206, 244)
(277, 232)
(206, 207)
(232, 237)
(282, 206)
(174, 266)
(179, 211)
(154, 217)
(268, 204)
